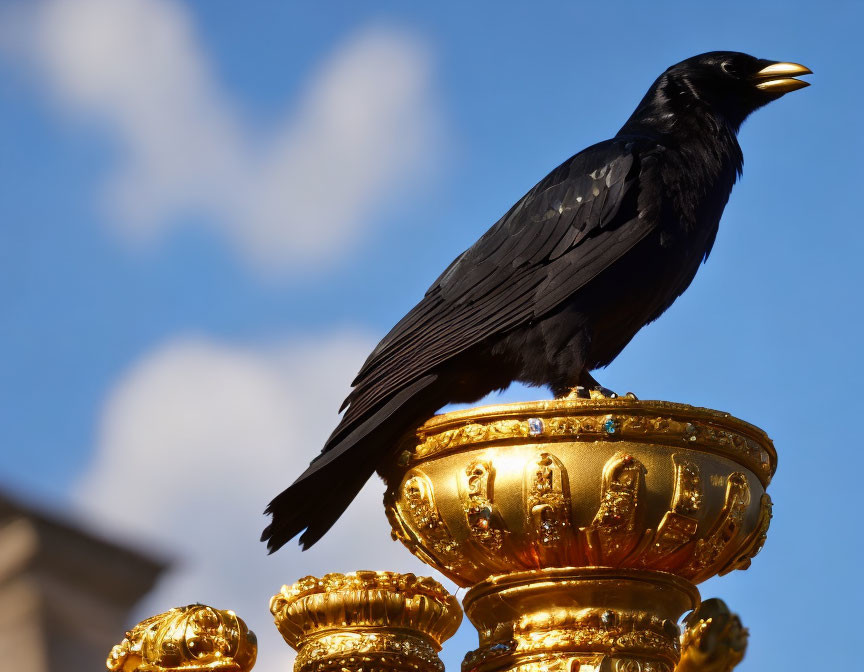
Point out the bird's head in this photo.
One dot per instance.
(729, 84)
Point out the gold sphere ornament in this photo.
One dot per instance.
(195, 638)
(366, 621)
(714, 639)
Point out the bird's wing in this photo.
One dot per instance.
(571, 226)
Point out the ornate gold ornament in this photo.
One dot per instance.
(196, 638)
(580, 526)
(369, 621)
(714, 639)
(616, 618)
(605, 482)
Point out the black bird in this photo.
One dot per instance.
(599, 248)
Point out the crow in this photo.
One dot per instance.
(559, 285)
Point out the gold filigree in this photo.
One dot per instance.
(476, 487)
(602, 615)
(673, 535)
(713, 640)
(678, 527)
(473, 432)
(636, 665)
(727, 528)
(366, 621)
(583, 663)
(539, 529)
(196, 638)
(603, 514)
(613, 533)
(419, 496)
(365, 652)
(760, 535)
(687, 498)
(547, 508)
(586, 420)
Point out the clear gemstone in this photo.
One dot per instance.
(607, 618)
(535, 426)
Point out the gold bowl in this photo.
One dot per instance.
(616, 483)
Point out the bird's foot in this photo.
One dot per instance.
(600, 392)
(578, 392)
(596, 392)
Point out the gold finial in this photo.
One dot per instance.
(366, 620)
(195, 638)
(714, 639)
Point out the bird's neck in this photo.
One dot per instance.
(701, 155)
(673, 114)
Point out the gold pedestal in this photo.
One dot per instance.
(582, 526)
(588, 619)
(366, 622)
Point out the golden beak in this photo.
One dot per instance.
(779, 77)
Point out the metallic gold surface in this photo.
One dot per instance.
(196, 638)
(582, 619)
(619, 483)
(779, 77)
(369, 621)
(714, 639)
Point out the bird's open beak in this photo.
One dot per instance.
(780, 77)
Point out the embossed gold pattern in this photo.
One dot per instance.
(613, 533)
(369, 621)
(625, 618)
(585, 420)
(576, 483)
(547, 509)
(582, 525)
(196, 638)
(723, 534)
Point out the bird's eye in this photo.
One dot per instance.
(728, 68)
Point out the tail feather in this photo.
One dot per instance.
(331, 482)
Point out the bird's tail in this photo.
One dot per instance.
(322, 493)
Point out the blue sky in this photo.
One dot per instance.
(210, 217)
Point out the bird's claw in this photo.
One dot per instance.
(600, 392)
(596, 392)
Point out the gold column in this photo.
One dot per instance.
(366, 621)
(582, 526)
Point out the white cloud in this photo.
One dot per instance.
(293, 197)
(194, 441)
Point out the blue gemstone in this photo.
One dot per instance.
(610, 426)
(535, 426)
(500, 647)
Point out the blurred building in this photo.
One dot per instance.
(65, 593)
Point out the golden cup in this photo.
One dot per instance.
(582, 526)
